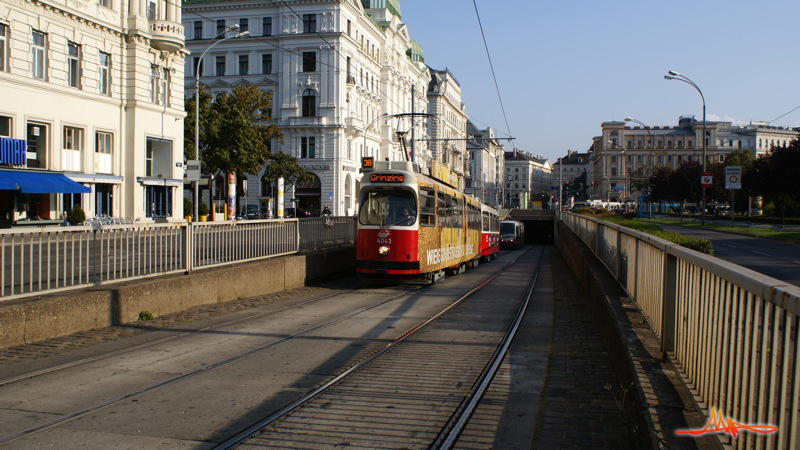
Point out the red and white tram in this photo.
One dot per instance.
(412, 225)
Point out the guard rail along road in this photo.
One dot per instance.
(730, 331)
(52, 259)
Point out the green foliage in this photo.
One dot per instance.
(76, 216)
(188, 206)
(146, 315)
(283, 165)
(233, 135)
(202, 209)
(775, 177)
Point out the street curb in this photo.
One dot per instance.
(656, 401)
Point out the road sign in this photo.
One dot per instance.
(193, 170)
(733, 177)
(706, 180)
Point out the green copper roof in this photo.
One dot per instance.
(392, 5)
(415, 52)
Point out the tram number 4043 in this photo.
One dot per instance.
(382, 240)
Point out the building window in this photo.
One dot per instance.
(220, 27)
(3, 46)
(104, 68)
(73, 146)
(244, 62)
(266, 26)
(37, 145)
(5, 126)
(158, 158)
(74, 65)
(220, 66)
(307, 147)
(159, 85)
(197, 67)
(198, 29)
(309, 107)
(266, 64)
(103, 146)
(39, 55)
(309, 61)
(152, 12)
(106, 3)
(243, 25)
(309, 23)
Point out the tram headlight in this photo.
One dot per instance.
(383, 250)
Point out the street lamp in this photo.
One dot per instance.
(652, 144)
(672, 75)
(625, 171)
(232, 28)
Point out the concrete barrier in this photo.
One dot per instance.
(39, 318)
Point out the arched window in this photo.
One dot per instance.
(309, 103)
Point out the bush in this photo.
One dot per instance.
(76, 216)
(188, 207)
(146, 315)
(202, 209)
(694, 243)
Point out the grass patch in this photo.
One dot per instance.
(758, 232)
(652, 228)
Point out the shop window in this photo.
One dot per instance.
(158, 201)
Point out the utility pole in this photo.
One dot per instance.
(413, 94)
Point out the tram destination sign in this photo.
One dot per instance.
(387, 178)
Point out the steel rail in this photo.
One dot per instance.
(249, 432)
(454, 427)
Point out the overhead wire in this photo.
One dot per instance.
(783, 115)
(491, 65)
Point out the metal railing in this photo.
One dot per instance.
(732, 332)
(51, 259)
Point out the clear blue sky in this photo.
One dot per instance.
(564, 67)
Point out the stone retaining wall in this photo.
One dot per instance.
(31, 320)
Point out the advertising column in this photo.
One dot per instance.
(280, 198)
(232, 195)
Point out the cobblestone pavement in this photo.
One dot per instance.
(580, 402)
(63, 344)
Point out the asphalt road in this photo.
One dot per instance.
(777, 259)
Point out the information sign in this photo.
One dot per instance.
(733, 177)
(193, 170)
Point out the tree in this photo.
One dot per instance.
(209, 125)
(237, 140)
(285, 166)
(775, 176)
(743, 159)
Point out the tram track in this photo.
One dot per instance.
(204, 368)
(420, 390)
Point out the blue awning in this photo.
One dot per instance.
(40, 183)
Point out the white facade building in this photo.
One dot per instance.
(334, 68)
(486, 165)
(90, 90)
(447, 120)
(528, 179)
(623, 153)
(570, 169)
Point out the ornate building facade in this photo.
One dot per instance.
(447, 123)
(486, 165)
(92, 91)
(340, 73)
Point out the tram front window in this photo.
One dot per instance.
(507, 230)
(388, 208)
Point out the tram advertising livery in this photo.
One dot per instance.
(412, 225)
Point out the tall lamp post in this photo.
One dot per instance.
(624, 169)
(652, 145)
(232, 28)
(672, 75)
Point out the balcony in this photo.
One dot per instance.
(307, 121)
(354, 124)
(167, 36)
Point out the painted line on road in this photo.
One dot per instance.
(731, 246)
(796, 262)
(759, 253)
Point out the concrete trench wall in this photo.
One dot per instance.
(31, 320)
